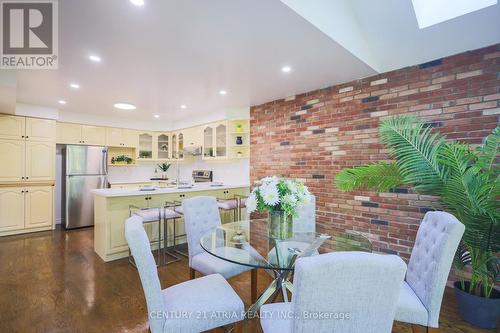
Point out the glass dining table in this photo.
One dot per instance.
(248, 243)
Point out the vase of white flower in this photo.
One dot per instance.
(280, 225)
(282, 199)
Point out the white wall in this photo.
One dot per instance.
(229, 172)
(30, 110)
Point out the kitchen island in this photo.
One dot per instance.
(112, 208)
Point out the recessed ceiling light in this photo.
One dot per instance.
(94, 58)
(74, 85)
(223, 92)
(286, 69)
(124, 106)
(61, 101)
(156, 116)
(137, 2)
(183, 106)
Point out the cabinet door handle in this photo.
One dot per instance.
(27, 177)
(22, 136)
(22, 177)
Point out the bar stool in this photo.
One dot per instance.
(177, 207)
(229, 205)
(169, 215)
(242, 203)
(148, 215)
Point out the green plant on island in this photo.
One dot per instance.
(466, 179)
(164, 166)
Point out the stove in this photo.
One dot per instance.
(202, 176)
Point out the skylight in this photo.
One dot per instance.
(430, 12)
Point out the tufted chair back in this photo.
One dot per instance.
(141, 250)
(201, 214)
(437, 240)
(357, 284)
(306, 220)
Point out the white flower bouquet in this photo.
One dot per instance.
(282, 199)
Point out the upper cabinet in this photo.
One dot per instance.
(175, 147)
(229, 139)
(40, 161)
(180, 145)
(40, 129)
(146, 145)
(68, 133)
(93, 135)
(120, 137)
(28, 161)
(221, 140)
(14, 152)
(12, 127)
(32, 129)
(208, 142)
(215, 141)
(163, 146)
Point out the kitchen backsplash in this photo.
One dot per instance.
(229, 172)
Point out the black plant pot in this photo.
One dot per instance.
(479, 311)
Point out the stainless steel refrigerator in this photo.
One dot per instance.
(84, 168)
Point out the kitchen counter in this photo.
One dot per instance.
(113, 206)
(128, 192)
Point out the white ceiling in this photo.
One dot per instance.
(173, 52)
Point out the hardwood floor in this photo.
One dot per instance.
(54, 282)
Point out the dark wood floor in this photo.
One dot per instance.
(54, 282)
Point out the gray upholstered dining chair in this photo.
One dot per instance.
(210, 296)
(347, 292)
(305, 221)
(421, 294)
(201, 214)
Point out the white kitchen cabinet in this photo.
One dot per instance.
(12, 127)
(215, 142)
(93, 135)
(68, 133)
(40, 161)
(11, 209)
(38, 207)
(26, 209)
(38, 129)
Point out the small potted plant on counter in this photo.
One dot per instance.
(281, 198)
(467, 181)
(164, 168)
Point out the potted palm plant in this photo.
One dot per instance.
(467, 181)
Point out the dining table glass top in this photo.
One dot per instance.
(248, 243)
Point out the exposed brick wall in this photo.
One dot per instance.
(316, 134)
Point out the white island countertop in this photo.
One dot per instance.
(127, 192)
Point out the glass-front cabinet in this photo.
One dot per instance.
(221, 140)
(145, 146)
(180, 145)
(163, 147)
(175, 148)
(208, 142)
(215, 141)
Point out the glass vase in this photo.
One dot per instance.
(280, 225)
